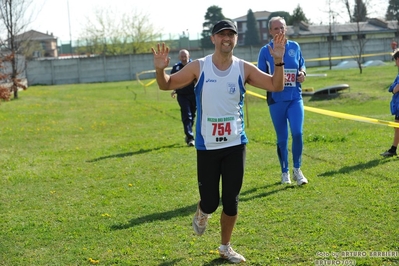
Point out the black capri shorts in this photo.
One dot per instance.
(228, 164)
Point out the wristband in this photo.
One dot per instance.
(280, 64)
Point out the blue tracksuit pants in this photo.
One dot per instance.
(284, 114)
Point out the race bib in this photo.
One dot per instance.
(221, 129)
(290, 77)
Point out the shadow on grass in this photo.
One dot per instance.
(127, 154)
(160, 216)
(246, 195)
(218, 261)
(160, 110)
(354, 168)
(170, 263)
(190, 210)
(323, 97)
(214, 262)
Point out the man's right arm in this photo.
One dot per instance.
(177, 80)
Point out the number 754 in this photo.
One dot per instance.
(220, 129)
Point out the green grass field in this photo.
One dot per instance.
(100, 174)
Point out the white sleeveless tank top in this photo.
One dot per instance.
(220, 101)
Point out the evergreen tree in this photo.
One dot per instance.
(283, 14)
(392, 10)
(297, 16)
(359, 12)
(252, 32)
(213, 15)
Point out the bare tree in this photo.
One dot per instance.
(358, 17)
(331, 35)
(138, 33)
(113, 33)
(358, 46)
(392, 13)
(348, 9)
(13, 15)
(101, 32)
(359, 11)
(333, 11)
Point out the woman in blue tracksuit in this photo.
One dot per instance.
(286, 107)
(394, 105)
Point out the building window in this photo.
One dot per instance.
(361, 36)
(346, 37)
(264, 36)
(264, 24)
(330, 38)
(244, 27)
(36, 54)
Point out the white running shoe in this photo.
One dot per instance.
(191, 143)
(299, 177)
(227, 252)
(200, 220)
(285, 178)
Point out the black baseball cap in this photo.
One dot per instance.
(224, 25)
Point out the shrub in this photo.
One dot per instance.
(4, 93)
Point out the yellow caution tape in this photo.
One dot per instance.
(345, 57)
(352, 117)
(340, 115)
(311, 109)
(146, 72)
(256, 94)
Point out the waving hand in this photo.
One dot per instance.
(278, 50)
(161, 56)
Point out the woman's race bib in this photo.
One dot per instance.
(290, 77)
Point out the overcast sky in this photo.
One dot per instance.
(175, 16)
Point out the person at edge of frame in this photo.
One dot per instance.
(394, 106)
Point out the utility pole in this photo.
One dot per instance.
(70, 33)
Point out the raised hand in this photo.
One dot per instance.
(161, 56)
(278, 50)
